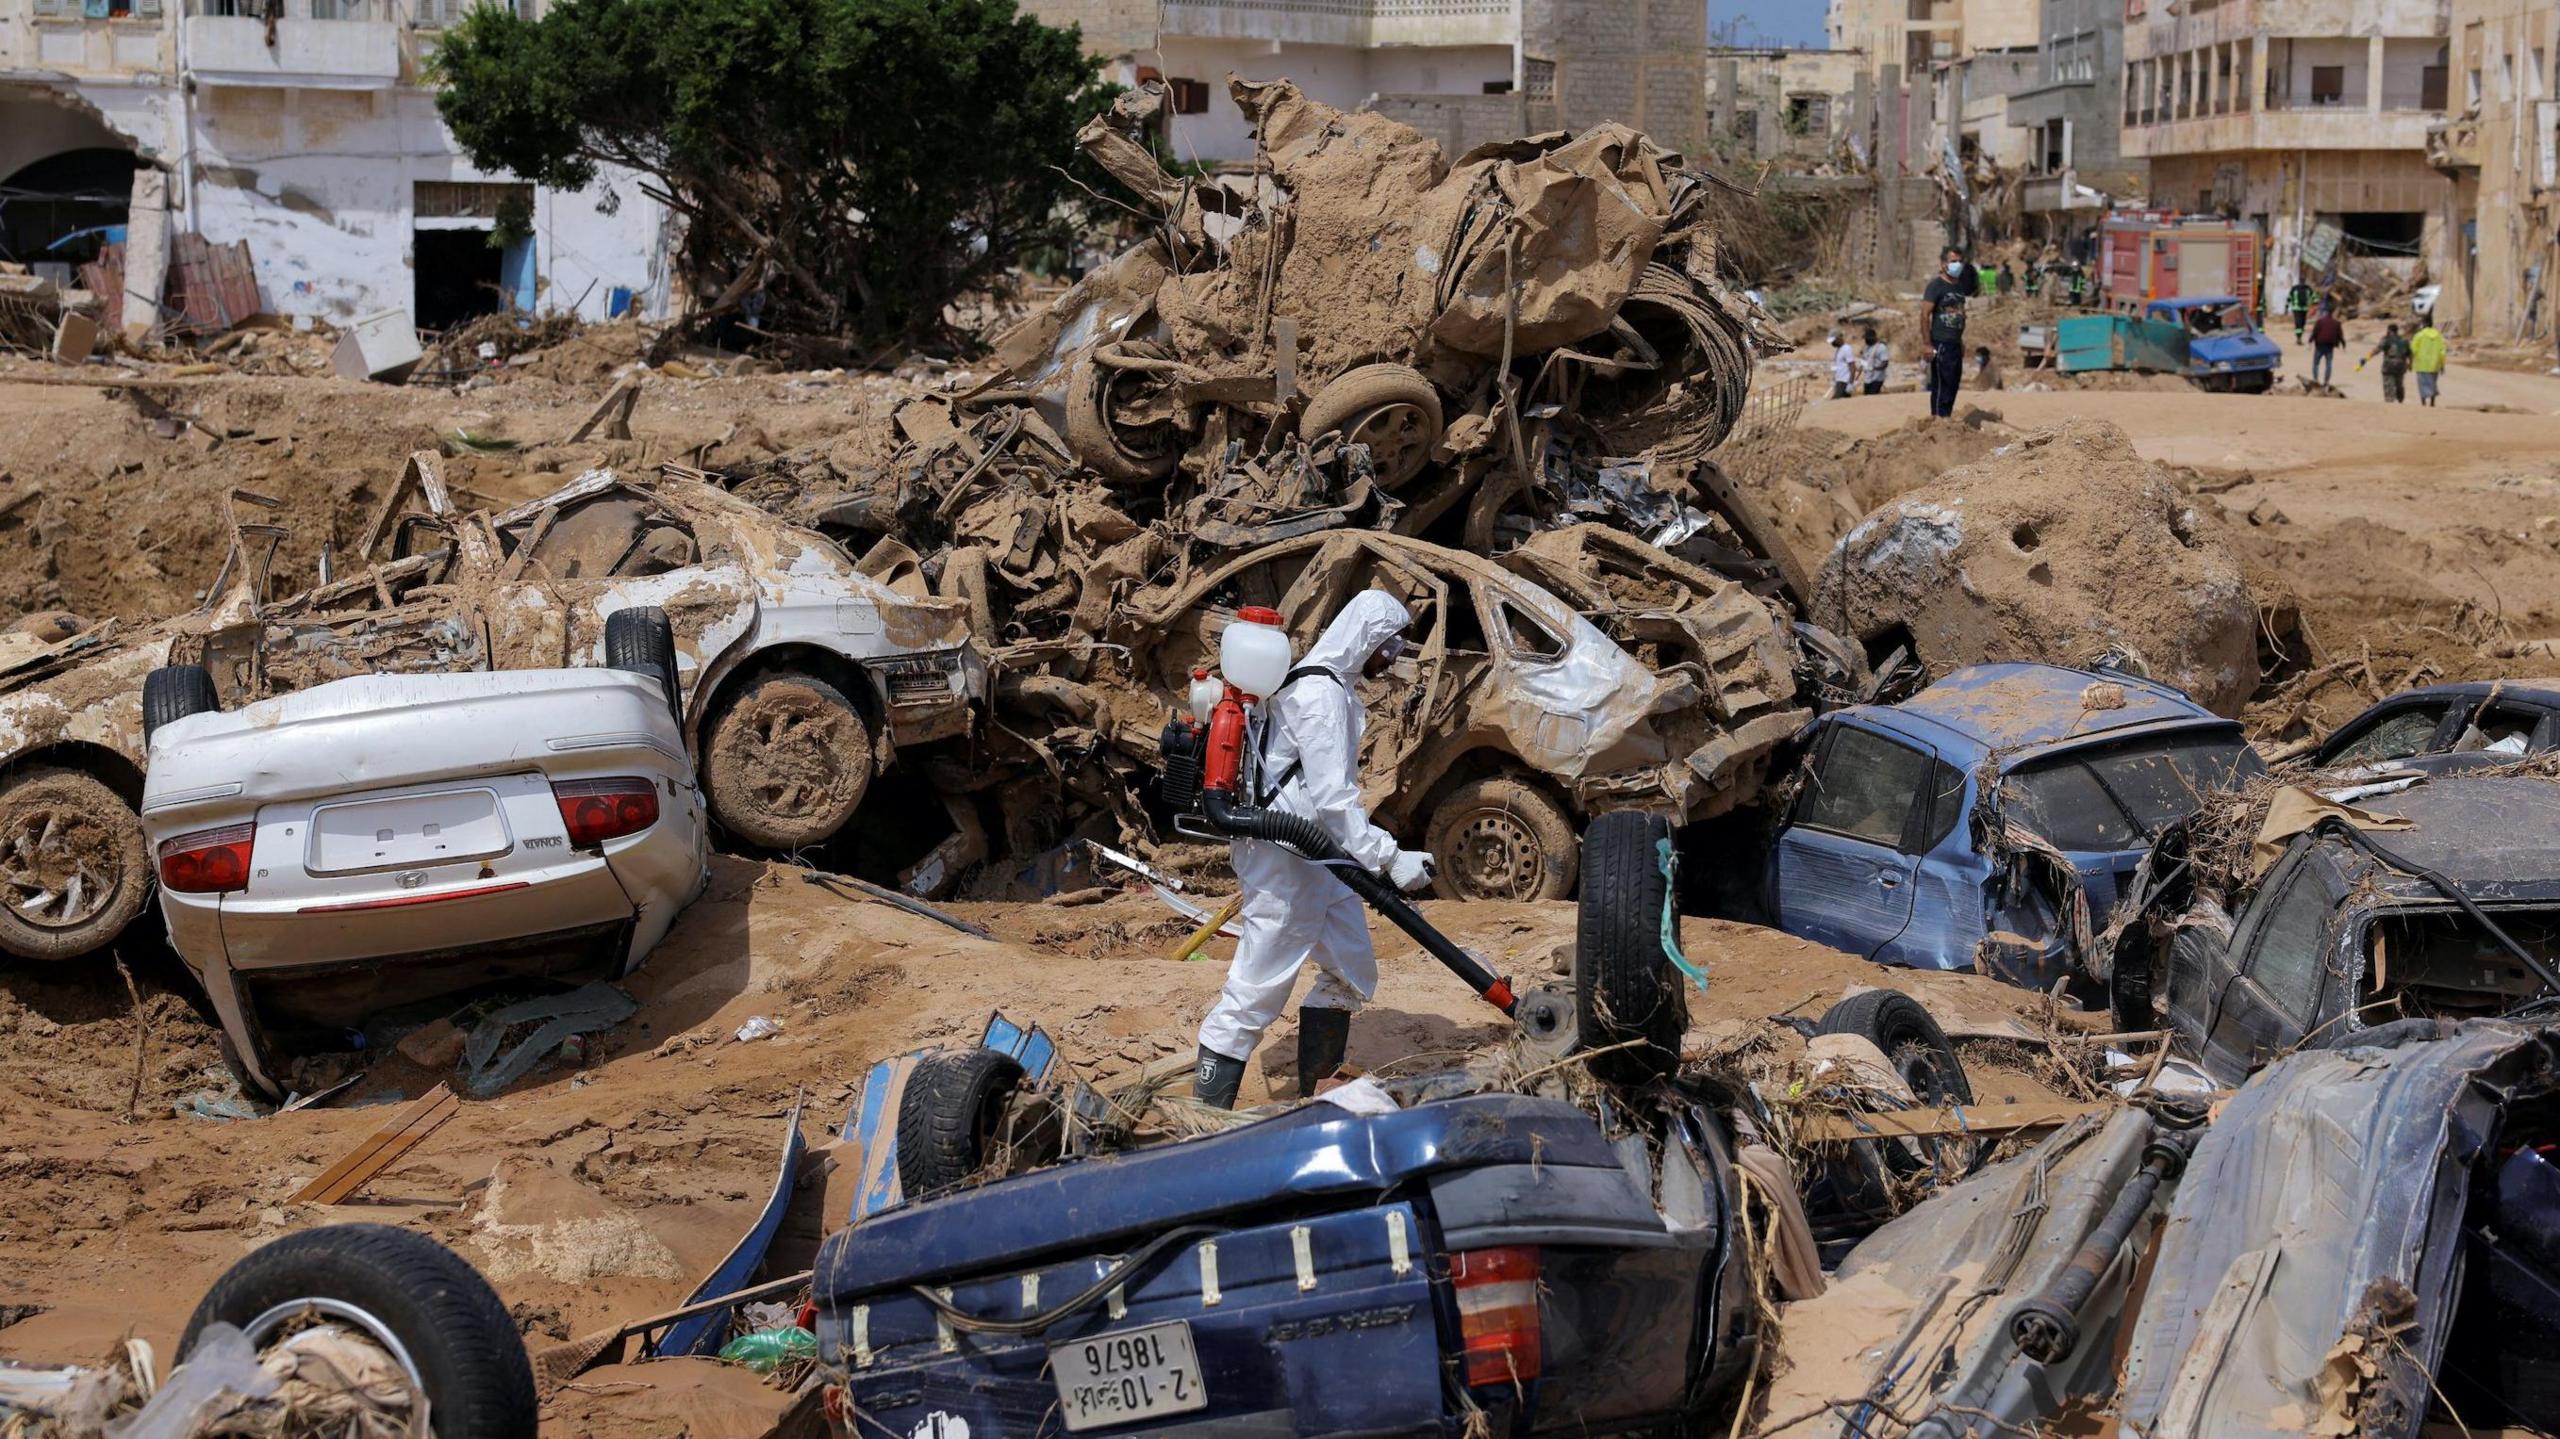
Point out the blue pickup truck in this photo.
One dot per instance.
(1989, 821)
(1443, 1255)
(2210, 339)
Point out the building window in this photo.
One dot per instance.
(2431, 88)
(1497, 87)
(1538, 79)
(1188, 97)
(2328, 84)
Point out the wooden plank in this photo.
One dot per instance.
(384, 1148)
(1929, 1123)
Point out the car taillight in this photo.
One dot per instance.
(1498, 1313)
(209, 861)
(596, 810)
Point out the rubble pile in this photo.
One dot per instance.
(2066, 547)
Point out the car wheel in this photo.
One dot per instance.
(1501, 839)
(174, 692)
(1625, 989)
(787, 762)
(1902, 1029)
(1123, 454)
(1390, 408)
(640, 640)
(74, 870)
(948, 1118)
(414, 1299)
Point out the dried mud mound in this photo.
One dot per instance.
(2064, 547)
(1816, 484)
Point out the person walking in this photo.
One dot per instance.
(1944, 299)
(1986, 370)
(1294, 911)
(2426, 357)
(2326, 336)
(1875, 361)
(2394, 350)
(2299, 301)
(1844, 365)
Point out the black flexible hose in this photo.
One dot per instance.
(1310, 840)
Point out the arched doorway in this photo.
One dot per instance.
(65, 206)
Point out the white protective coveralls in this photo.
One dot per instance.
(1293, 910)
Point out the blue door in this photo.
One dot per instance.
(515, 275)
(1845, 861)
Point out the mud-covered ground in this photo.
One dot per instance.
(2410, 541)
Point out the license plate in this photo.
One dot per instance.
(1129, 1375)
(411, 830)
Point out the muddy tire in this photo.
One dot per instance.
(1625, 989)
(173, 692)
(949, 1116)
(1910, 1038)
(411, 1296)
(641, 641)
(1390, 408)
(1122, 456)
(74, 870)
(1501, 839)
(787, 762)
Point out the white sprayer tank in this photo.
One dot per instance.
(1253, 651)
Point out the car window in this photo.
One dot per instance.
(611, 534)
(2285, 956)
(2121, 798)
(1525, 635)
(2498, 729)
(2397, 735)
(1946, 803)
(1866, 787)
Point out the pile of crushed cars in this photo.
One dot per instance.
(1489, 385)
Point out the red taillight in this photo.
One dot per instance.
(209, 861)
(1498, 1313)
(596, 810)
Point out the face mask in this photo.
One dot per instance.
(1955, 267)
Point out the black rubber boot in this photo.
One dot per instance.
(1216, 1080)
(1323, 1035)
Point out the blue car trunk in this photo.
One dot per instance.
(1298, 1271)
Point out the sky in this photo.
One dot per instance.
(1767, 22)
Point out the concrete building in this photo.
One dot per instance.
(2293, 114)
(2500, 155)
(1778, 103)
(1915, 33)
(1462, 71)
(2073, 111)
(308, 135)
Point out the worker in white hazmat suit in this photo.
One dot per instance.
(1294, 912)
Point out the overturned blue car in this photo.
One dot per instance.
(1990, 821)
(1462, 1253)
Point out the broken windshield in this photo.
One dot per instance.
(2120, 798)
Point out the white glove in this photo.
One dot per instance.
(1411, 869)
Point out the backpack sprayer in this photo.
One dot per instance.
(1210, 762)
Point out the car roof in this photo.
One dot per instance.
(2194, 302)
(2479, 830)
(2020, 709)
(2544, 692)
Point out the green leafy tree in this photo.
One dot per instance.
(861, 162)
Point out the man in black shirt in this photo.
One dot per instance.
(1944, 299)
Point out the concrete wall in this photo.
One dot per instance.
(1452, 77)
(1765, 84)
(2504, 171)
(1639, 61)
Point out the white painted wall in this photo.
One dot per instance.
(1338, 75)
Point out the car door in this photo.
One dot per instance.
(2270, 995)
(1846, 861)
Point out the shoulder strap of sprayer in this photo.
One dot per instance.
(1270, 788)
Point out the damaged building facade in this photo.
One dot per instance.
(306, 131)
(1463, 72)
(2500, 154)
(2072, 114)
(2294, 115)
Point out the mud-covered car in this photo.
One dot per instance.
(800, 676)
(1989, 821)
(1540, 689)
(2439, 901)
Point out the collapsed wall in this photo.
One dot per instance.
(2065, 547)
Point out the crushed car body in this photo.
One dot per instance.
(1990, 821)
(800, 676)
(2262, 924)
(336, 851)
